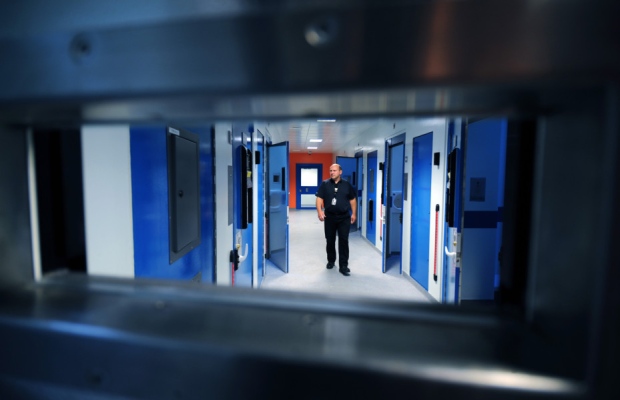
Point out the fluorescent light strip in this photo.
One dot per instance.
(312, 148)
(325, 120)
(316, 140)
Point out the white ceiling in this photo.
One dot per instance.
(334, 135)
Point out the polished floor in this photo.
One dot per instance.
(307, 272)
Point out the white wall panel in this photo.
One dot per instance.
(224, 237)
(106, 160)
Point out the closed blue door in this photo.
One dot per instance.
(349, 169)
(421, 208)
(371, 197)
(349, 174)
(308, 181)
(359, 181)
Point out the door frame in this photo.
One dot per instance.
(259, 207)
(242, 236)
(386, 198)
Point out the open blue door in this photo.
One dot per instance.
(421, 208)
(385, 206)
(371, 197)
(393, 200)
(243, 204)
(277, 211)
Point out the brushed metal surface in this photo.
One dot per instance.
(394, 57)
(15, 232)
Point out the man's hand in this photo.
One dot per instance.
(353, 218)
(321, 216)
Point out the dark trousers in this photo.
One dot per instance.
(337, 224)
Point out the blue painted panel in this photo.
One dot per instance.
(421, 207)
(207, 202)
(241, 136)
(482, 219)
(150, 208)
(485, 159)
(372, 173)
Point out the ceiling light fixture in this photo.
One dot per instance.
(312, 148)
(325, 120)
(316, 140)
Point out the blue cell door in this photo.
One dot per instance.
(349, 174)
(277, 205)
(371, 197)
(260, 207)
(421, 208)
(308, 181)
(242, 202)
(392, 199)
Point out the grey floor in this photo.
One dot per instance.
(307, 272)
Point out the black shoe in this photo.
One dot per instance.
(330, 265)
(344, 271)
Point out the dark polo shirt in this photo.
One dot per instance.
(342, 192)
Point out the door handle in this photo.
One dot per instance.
(449, 253)
(241, 257)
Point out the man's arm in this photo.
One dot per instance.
(319, 208)
(353, 209)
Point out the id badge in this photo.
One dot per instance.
(334, 201)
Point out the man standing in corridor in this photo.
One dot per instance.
(337, 207)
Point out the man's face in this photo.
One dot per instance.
(335, 172)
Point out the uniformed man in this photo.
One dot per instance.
(336, 205)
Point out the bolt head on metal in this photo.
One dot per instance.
(321, 31)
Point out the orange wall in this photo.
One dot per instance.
(326, 159)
